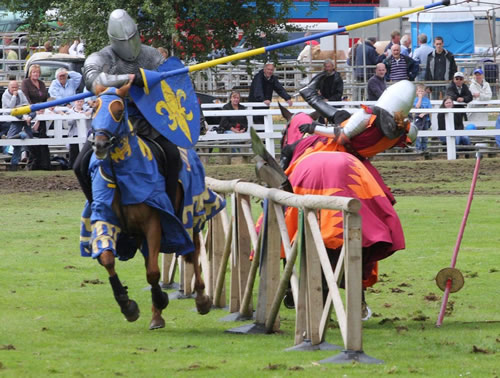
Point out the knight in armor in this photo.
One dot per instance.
(367, 131)
(114, 66)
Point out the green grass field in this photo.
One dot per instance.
(58, 316)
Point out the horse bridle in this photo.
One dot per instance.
(111, 142)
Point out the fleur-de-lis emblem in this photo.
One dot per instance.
(122, 151)
(173, 106)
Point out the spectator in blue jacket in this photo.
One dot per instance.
(65, 84)
(422, 119)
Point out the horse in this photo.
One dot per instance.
(319, 164)
(131, 210)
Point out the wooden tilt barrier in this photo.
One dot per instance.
(232, 241)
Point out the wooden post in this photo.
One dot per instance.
(353, 281)
(314, 299)
(234, 291)
(300, 304)
(167, 260)
(240, 253)
(187, 278)
(218, 232)
(270, 270)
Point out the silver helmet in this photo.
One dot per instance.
(123, 35)
(398, 97)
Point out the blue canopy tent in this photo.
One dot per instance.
(453, 24)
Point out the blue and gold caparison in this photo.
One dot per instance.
(131, 167)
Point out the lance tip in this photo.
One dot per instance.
(20, 111)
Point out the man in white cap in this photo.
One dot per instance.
(458, 90)
(459, 93)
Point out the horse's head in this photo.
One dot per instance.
(291, 132)
(110, 119)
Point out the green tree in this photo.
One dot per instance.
(190, 29)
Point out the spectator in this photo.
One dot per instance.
(400, 67)
(65, 84)
(77, 48)
(428, 91)
(406, 45)
(9, 53)
(395, 40)
(32, 49)
(440, 65)
(331, 86)
(365, 54)
(80, 107)
(262, 87)
(163, 51)
(59, 110)
(376, 85)
(481, 91)
(458, 122)
(48, 46)
(13, 98)
(233, 124)
(479, 87)
(422, 120)
(458, 90)
(64, 48)
(4, 128)
(497, 126)
(35, 91)
(420, 55)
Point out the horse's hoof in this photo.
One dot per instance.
(288, 300)
(157, 323)
(131, 311)
(203, 304)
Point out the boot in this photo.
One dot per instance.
(310, 94)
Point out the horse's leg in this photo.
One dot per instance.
(128, 306)
(203, 301)
(158, 297)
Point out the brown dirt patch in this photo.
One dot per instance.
(50, 181)
(404, 177)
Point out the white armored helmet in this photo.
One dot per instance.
(398, 97)
(393, 107)
(123, 35)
